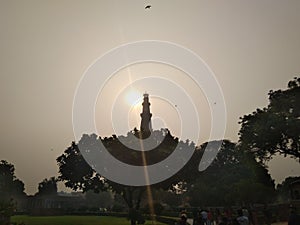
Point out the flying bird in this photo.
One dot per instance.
(147, 6)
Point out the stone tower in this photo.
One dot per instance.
(146, 126)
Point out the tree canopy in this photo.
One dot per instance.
(10, 186)
(78, 174)
(229, 178)
(284, 190)
(48, 187)
(11, 190)
(275, 128)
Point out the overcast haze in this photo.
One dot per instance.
(45, 47)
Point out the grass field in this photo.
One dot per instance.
(81, 220)
(74, 220)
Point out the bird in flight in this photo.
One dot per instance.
(148, 7)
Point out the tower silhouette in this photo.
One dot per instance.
(146, 126)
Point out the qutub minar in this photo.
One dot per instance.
(146, 126)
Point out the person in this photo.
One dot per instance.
(183, 220)
(209, 217)
(252, 216)
(204, 216)
(218, 216)
(196, 217)
(268, 214)
(183, 212)
(228, 214)
(241, 219)
(245, 212)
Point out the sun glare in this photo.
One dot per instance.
(133, 98)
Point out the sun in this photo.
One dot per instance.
(133, 98)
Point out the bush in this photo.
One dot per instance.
(118, 208)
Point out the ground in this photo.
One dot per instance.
(74, 220)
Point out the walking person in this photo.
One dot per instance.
(241, 219)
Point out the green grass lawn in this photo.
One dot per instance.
(74, 220)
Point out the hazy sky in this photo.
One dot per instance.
(45, 47)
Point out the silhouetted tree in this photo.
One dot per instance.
(284, 190)
(48, 187)
(77, 174)
(11, 190)
(234, 177)
(276, 128)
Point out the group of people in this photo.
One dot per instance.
(233, 217)
(206, 217)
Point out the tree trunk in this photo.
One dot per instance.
(133, 201)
